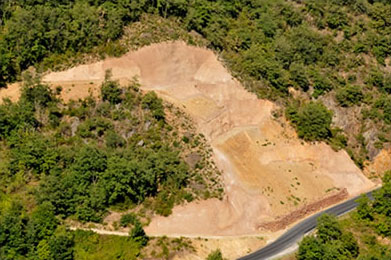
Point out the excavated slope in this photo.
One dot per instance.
(268, 172)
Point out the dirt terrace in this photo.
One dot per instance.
(268, 172)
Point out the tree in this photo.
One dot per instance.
(110, 90)
(13, 223)
(310, 249)
(138, 234)
(382, 202)
(15, 117)
(42, 223)
(155, 104)
(364, 209)
(330, 242)
(328, 228)
(312, 121)
(321, 83)
(349, 95)
(35, 92)
(299, 76)
(43, 250)
(61, 245)
(350, 245)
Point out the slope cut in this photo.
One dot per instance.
(268, 172)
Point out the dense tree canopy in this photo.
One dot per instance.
(312, 120)
(329, 243)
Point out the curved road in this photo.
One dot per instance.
(294, 234)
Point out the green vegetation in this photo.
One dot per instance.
(77, 160)
(34, 236)
(89, 245)
(349, 95)
(82, 158)
(330, 242)
(215, 255)
(127, 219)
(327, 49)
(312, 121)
(357, 236)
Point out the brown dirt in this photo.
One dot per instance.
(380, 164)
(268, 172)
(285, 221)
(231, 248)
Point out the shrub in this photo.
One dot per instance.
(155, 104)
(215, 255)
(321, 84)
(138, 234)
(299, 76)
(349, 95)
(114, 140)
(312, 121)
(127, 219)
(110, 90)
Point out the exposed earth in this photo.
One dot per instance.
(268, 172)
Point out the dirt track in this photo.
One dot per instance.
(268, 171)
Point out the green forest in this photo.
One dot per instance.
(78, 160)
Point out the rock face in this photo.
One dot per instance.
(268, 172)
(380, 164)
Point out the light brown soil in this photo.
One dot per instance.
(268, 172)
(231, 248)
(380, 164)
(296, 215)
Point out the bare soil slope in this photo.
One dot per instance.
(268, 172)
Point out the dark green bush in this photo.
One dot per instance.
(299, 76)
(113, 140)
(138, 234)
(321, 84)
(349, 95)
(312, 121)
(110, 90)
(155, 104)
(127, 219)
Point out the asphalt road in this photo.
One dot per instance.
(294, 234)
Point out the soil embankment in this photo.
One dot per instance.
(268, 172)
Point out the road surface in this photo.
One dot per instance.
(293, 235)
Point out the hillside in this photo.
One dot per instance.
(195, 118)
(336, 52)
(270, 177)
(267, 173)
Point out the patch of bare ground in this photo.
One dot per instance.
(268, 173)
(231, 248)
(284, 221)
